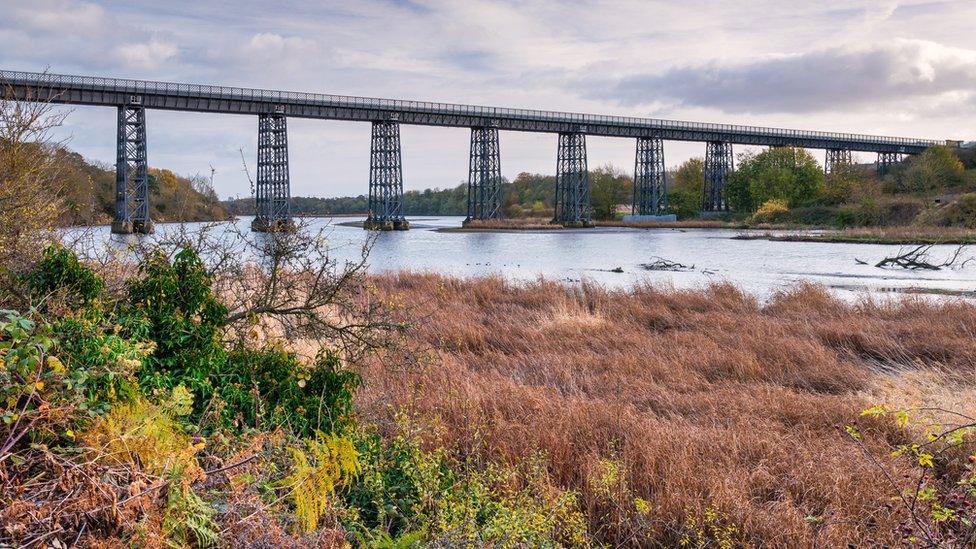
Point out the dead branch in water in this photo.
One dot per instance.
(917, 258)
(661, 264)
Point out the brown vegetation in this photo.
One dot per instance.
(695, 403)
(879, 235)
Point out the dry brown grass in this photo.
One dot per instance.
(705, 398)
(518, 223)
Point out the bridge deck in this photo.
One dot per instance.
(92, 90)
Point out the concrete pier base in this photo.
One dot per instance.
(649, 218)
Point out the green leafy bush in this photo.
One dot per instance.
(59, 269)
(270, 387)
(172, 305)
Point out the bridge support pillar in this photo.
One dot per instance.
(572, 182)
(385, 180)
(484, 175)
(837, 158)
(885, 162)
(272, 193)
(718, 165)
(650, 186)
(131, 173)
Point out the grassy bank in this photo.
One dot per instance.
(877, 235)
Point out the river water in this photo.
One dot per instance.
(760, 267)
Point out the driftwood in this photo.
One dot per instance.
(917, 258)
(661, 264)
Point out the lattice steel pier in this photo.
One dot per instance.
(650, 186)
(131, 173)
(836, 159)
(385, 180)
(718, 165)
(484, 175)
(572, 182)
(886, 160)
(272, 193)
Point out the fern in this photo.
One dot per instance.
(189, 521)
(330, 463)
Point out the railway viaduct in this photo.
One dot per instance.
(133, 98)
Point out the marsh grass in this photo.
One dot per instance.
(704, 403)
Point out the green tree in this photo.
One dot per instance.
(684, 194)
(608, 189)
(781, 173)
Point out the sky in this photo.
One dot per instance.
(901, 68)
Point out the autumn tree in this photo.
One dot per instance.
(937, 169)
(30, 182)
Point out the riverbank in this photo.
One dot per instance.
(875, 235)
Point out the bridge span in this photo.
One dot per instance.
(273, 107)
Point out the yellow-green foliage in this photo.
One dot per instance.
(771, 211)
(330, 462)
(710, 529)
(145, 435)
(406, 489)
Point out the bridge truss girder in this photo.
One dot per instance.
(385, 179)
(650, 182)
(719, 163)
(272, 189)
(190, 97)
(836, 159)
(484, 175)
(572, 207)
(886, 160)
(131, 173)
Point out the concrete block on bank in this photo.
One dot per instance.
(649, 218)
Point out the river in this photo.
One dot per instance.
(760, 267)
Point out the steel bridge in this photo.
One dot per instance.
(273, 107)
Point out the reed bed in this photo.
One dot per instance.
(680, 403)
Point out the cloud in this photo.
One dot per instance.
(62, 16)
(269, 44)
(146, 55)
(824, 80)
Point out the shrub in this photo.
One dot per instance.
(812, 215)
(270, 387)
(771, 211)
(405, 489)
(684, 202)
(32, 382)
(60, 270)
(172, 305)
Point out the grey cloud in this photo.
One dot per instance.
(825, 80)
